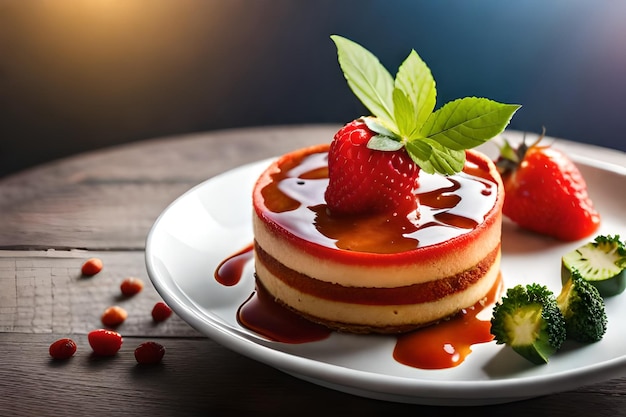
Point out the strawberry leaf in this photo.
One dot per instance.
(384, 143)
(367, 77)
(385, 140)
(416, 81)
(468, 122)
(509, 153)
(375, 126)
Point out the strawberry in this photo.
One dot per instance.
(545, 192)
(364, 180)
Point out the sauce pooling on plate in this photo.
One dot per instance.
(439, 346)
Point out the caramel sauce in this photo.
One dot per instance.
(376, 233)
(229, 271)
(447, 344)
(261, 314)
(440, 346)
(448, 206)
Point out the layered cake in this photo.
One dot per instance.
(396, 223)
(372, 272)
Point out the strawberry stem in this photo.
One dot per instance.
(511, 157)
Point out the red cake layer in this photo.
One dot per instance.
(411, 294)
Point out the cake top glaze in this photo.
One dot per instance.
(290, 196)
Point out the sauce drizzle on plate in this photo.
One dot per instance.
(440, 346)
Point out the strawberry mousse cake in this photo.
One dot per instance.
(396, 223)
(374, 273)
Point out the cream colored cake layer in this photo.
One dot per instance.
(355, 274)
(384, 318)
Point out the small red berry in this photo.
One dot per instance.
(161, 311)
(105, 342)
(91, 267)
(131, 286)
(62, 348)
(149, 353)
(113, 316)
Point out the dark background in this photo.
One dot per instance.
(85, 74)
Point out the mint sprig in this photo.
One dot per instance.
(404, 110)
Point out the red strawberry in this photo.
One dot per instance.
(364, 180)
(546, 193)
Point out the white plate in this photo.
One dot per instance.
(213, 220)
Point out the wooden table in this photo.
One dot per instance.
(103, 204)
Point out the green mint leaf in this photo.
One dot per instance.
(384, 143)
(468, 122)
(419, 151)
(443, 160)
(404, 114)
(439, 160)
(403, 107)
(416, 81)
(367, 78)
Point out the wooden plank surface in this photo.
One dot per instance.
(45, 292)
(199, 377)
(109, 199)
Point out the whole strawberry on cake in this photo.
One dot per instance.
(396, 223)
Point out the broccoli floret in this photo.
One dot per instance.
(528, 320)
(583, 308)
